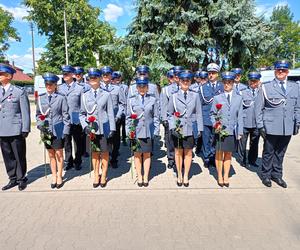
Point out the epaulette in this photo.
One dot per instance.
(19, 87)
(133, 96)
(266, 82)
(60, 93)
(80, 84)
(85, 90)
(42, 94)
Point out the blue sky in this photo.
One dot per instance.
(118, 13)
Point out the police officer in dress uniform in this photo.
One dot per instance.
(250, 129)
(143, 71)
(117, 80)
(238, 86)
(73, 92)
(97, 103)
(166, 93)
(185, 124)
(78, 75)
(207, 93)
(119, 104)
(231, 113)
(146, 108)
(278, 118)
(53, 107)
(200, 77)
(14, 128)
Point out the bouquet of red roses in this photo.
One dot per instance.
(46, 134)
(134, 142)
(178, 127)
(92, 134)
(219, 128)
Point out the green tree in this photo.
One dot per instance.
(87, 35)
(180, 32)
(6, 31)
(289, 33)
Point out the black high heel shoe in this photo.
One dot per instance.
(95, 185)
(145, 184)
(179, 184)
(58, 186)
(186, 184)
(226, 184)
(103, 185)
(53, 185)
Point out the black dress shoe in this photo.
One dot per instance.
(68, 167)
(206, 164)
(77, 166)
(267, 182)
(58, 186)
(114, 164)
(22, 185)
(253, 164)
(186, 184)
(170, 165)
(145, 184)
(140, 184)
(280, 182)
(53, 185)
(10, 185)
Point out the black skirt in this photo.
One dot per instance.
(101, 143)
(186, 143)
(56, 143)
(145, 145)
(227, 144)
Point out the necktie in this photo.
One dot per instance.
(228, 98)
(143, 99)
(253, 92)
(185, 94)
(69, 86)
(213, 87)
(106, 86)
(237, 87)
(49, 98)
(3, 91)
(95, 93)
(282, 87)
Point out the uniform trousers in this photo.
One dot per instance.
(208, 149)
(115, 143)
(14, 155)
(253, 133)
(274, 150)
(169, 145)
(76, 134)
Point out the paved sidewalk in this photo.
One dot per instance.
(162, 216)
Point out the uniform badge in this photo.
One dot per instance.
(9, 98)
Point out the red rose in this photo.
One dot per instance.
(177, 114)
(132, 135)
(219, 106)
(217, 125)
(42, 117)
(133, 116)
(92, 136)
(92, 119)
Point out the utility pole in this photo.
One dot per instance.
(66, 37)
(32, 44)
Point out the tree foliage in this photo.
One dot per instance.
(7, 32)
(180, 32)
(88, 37)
